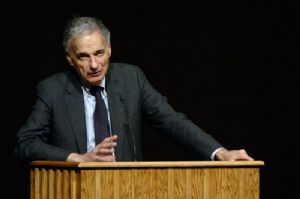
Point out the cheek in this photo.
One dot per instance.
(82, 69)
(103, 60)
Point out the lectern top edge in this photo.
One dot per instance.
(161, 164)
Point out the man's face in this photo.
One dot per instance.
(89, 55)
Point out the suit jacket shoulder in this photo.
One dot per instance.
(54, 128)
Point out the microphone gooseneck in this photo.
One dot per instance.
(129, 126)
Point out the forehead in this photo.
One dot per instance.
(88, 42)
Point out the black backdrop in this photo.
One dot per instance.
(231, 66)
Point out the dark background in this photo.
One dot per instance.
(230, 65)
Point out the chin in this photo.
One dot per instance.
(95, 82)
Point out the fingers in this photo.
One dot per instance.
(93, 157)
(244, 156)
(100, 155)
(104, 152)
(234, 155)
(109, 142)
(107, 158)
(113, 138)
(106, 145)
(240, 155)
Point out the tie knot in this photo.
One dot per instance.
(96, 90)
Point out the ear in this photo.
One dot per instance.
(69, 58)
(109, 50)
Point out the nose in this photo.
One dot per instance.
(93, 63)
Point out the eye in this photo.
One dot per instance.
(83, 56)
(99, 53)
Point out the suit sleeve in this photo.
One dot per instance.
(161, 115)
(33, 136)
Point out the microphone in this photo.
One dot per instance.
(129, 126)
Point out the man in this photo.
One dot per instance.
(61, 125)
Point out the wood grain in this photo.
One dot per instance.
(145, 180)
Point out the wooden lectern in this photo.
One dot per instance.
(139, 180)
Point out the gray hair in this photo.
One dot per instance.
(84, 25)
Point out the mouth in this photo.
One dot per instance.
(95, 74)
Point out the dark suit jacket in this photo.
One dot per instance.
(56, 126)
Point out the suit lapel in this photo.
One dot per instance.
(75, 106)
(116, 111)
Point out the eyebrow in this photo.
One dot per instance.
(82, 54)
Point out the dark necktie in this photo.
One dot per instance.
(101, 125)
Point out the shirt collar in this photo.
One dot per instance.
(102, 84)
